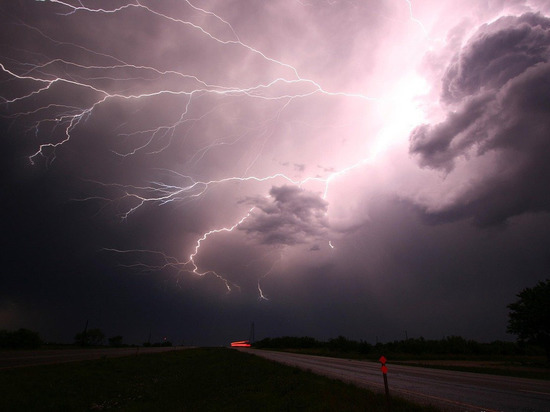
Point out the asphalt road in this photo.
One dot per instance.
(15, 359)
(448, 390)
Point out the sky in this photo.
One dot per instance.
(180, 169)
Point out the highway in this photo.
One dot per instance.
(15, 358)
(448, 390)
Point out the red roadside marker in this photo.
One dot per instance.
(384, 370)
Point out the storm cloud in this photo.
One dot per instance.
(496, 93)
(290, 216)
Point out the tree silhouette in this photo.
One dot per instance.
(115, 341)
(21, 338)
(529, 316)
(91, 337)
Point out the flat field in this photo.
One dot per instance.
(202, 379)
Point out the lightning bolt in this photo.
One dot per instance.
(188, 266)
(414, 19)
(261, 295)
(100, 84)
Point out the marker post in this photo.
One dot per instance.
(384, 369)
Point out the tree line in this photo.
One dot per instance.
(455, 345)
(20, 339)
(28, 339)
(95, 337)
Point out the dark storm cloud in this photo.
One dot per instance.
(439, 145)
(496, 90)
(498, 53)
(290, 216)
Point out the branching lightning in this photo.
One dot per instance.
(101, 84)
(188, 266)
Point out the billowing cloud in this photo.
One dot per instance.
(498, 118)
(290, 216)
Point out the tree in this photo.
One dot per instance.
(529, 316)
(91, 337)
(115, 341)
(20, 339)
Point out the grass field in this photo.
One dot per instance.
(205, 379)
